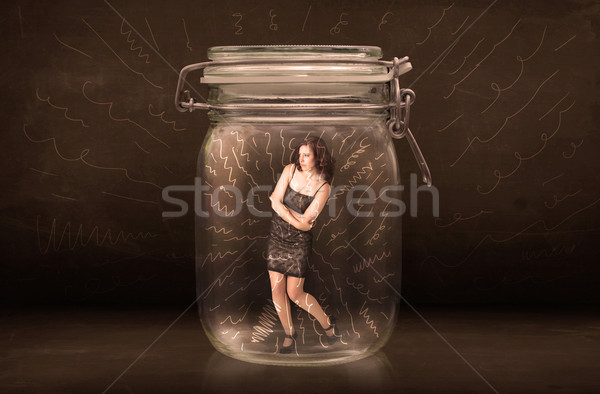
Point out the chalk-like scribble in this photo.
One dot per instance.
(384, 20)
(131, 42)
(430, 28)
(79, 239)
(110, 106)
(161, 116)
(47, 100)
(506, 119)
(187, 37)
(119, 57)
(336, 29)
(478, 64)
(495, 87)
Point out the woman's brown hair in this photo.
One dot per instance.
(324, 163)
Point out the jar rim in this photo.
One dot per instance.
(257, 64)
(341, 52)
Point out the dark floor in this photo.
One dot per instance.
(87, 350)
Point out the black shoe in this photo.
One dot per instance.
(331, 339)
(288, 349)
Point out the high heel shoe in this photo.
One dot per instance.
(288, 349)
(331, 339)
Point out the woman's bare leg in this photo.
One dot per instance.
(282, 303)
(295, 290)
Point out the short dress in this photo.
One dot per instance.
(289, 249)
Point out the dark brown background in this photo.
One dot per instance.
(85, 152)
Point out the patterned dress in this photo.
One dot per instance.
(289, 249)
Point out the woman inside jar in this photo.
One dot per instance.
(299, 196)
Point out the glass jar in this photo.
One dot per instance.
(263, 101)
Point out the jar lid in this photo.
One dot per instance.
(297, 51)
(298, 64)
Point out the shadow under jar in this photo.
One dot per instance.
(263, 101)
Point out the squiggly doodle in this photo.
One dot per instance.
(555, 251)
(187, 37)
(81, 157)
(575, 147)
(225, 158)
(266, 321)
(273, 26)
(238, 32)
(118, 57)
(360, 289)
(283, 159)
(466, 57)
(46, 140)
(243, 288)
(544, 137)
(454, 86)
(250, 222)
(241, 140)
(506, 119)
(222, 230)
(131, 41)
(497, 88)
(324, 261)
(172, 122)
(270, 156)
(355, 178)
(489, 237)
(219, 255)
(246, 237)
(370, 323)
(110, 105)
(219, 282)
(355, 154)
(430, 28)
(217, 205)
(381, 227)
(382, 279)
(240, 319)
(383, 20)
(79, 240)
(457, 217)
(370, 261)
(336, 29)
(47, 100)
(210, 170)
(557, 200)
(344, 141)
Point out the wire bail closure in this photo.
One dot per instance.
(400, 103)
